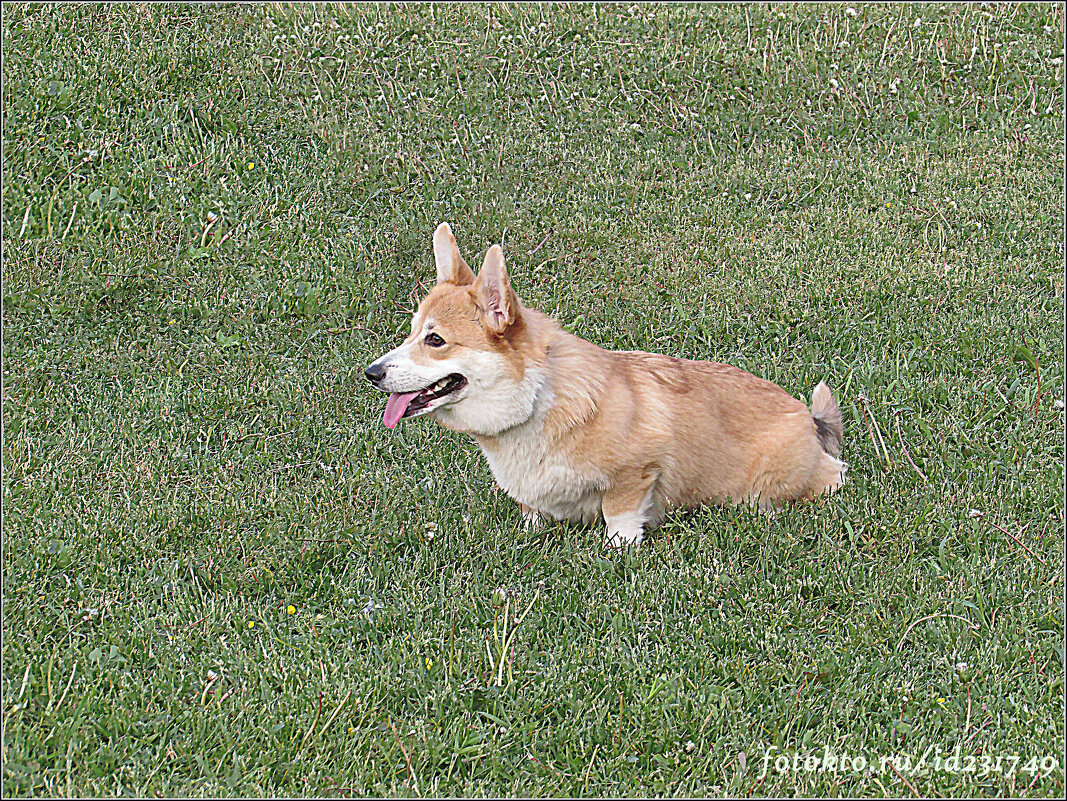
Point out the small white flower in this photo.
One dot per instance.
(973, 513)
(918, 22)
(748, 196)
(851, 12)
(372, 607)
(1057, 405)
(690, 746)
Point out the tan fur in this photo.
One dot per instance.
(626, 434)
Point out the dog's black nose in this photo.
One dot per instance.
(374, 373)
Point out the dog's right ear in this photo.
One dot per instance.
(450, 265)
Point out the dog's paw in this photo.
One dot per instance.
(617, 540)
(532, 521)
(625, 530)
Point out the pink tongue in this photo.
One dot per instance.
(396, 406)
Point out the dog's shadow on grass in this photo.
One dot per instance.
(721, 527)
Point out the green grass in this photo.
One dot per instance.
(190, 449)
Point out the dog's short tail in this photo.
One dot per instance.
(827, 417)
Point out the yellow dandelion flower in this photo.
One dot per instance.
(290, 609)
(251, 624)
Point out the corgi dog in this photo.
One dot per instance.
(575, 432)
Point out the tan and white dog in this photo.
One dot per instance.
(572, 431)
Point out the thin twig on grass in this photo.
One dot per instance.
(907, 631)
(869, 419)
(904, 448)
(1037, 370)
(407, 758)
(1037, 775)
(901, 775)
(313, 724)
(975, 732)
(542, 242)
(967, 720)
(588, 768)
(344, 701)
(1004, 531)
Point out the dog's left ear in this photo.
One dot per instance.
(496, 299)
(450, 265)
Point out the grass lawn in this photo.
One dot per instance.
(224, 576)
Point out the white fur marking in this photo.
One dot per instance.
(497, 400)
(625, 529)
(533, 471)
(628, 528)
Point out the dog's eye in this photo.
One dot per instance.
(434, 341)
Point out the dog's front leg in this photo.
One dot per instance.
(626, 508)
(532, 520)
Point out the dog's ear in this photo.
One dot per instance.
(450, 265)
(496, 299)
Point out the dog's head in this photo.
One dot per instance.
(468, 357)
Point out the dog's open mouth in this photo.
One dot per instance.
(409, 404)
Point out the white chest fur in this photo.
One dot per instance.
(529, 469)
